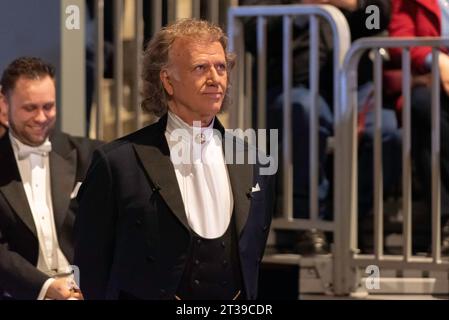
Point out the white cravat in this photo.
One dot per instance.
(204, 182)
(34, 168)
(25, 151)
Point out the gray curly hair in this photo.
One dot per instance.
(155, 58)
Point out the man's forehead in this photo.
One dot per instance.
(25, 82)
(189, 48)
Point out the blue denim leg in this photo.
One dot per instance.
(391, 158)
(300, 124)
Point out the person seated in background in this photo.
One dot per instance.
(41, 171)
(426, 18)
(313, 241)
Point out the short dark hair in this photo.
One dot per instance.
(156, 57)
(28, 67)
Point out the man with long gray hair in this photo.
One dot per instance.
(152, 227)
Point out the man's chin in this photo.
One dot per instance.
(215, 109)
(37, 141)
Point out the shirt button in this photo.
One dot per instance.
(198, 241)
(197, 282)
(197, 262)
(223, 244)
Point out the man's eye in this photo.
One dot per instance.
(200, 67)
(221, 67)
(48, 107)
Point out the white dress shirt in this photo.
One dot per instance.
(34, 171)
(202, 176)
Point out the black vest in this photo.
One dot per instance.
(212, 270)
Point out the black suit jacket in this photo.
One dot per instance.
(19, 247)
(132, 234)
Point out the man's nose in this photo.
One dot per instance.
(40, 117)
(213, 76)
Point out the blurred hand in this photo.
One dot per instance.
(63, 289)
(422, 80)
(350, 5)
(444, 71)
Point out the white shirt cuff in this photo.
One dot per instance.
(44, 289)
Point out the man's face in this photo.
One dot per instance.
(196, 79)
(32, 109)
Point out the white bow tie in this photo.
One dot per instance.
(43, 150)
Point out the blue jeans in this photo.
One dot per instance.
(391, 152)
(300, 127)
(391, 144)
(422, 145)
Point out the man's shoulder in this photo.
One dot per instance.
(64, 142)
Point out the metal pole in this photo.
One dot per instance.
(138, 42)
(262, 78)
(287, 119)
(99, 68)
(314, 117)
(213, 11)
(436, 136)
(234, 92)
(118, 65)
(196, 9)
(378, 172)
(406, 155)
(156, 7)
(171, 8)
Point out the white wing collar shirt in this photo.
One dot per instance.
(197, 156)
(34, 168)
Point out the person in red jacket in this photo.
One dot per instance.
(426, 18)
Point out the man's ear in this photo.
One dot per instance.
(165, 78)
(3, 111)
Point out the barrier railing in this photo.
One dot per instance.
(351, 259)
(240, 116)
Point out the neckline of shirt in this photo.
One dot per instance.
(189, 133)
(17, 144)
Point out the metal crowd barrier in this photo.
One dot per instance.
(351, 260)
(240, 116)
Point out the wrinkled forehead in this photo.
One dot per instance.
(188, 48)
